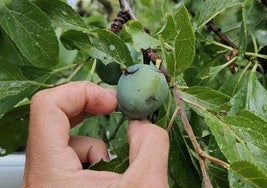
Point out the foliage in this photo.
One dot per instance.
(47, 43)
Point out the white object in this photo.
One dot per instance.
(11, 170)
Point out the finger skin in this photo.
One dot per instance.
(148, 154)
(89, 150)
(48, 153)
(52, 110)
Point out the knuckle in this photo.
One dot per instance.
(38, 97)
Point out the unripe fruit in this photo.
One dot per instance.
(141, 90)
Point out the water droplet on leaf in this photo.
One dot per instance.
(112, 47)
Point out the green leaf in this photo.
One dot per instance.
(9, 53)
(248, 120)
(212, 8)
(184, 44)
(73, 39)
(31, 31)
(107, 47)
(179, 164)
(146, 2)
(231, 85)
(139, 38)
(61, 15)
(243, 30)
(218, 173)
(251, 116)
(214, 71)
(109, 73)
(246, 174)
(256, 16)
(239, 143)
(12, 82)
(14, 87)
(3, 3)
(114, 46)
(168, 32)
(89, 127)
(117, 165)
(251, 96)
(14, 129)
(206, 97)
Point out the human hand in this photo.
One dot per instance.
(53, 157)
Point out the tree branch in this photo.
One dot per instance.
(125, 6)
(192, 137)
(225, 40)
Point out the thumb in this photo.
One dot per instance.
(149, 147)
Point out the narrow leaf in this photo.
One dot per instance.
(184, 43)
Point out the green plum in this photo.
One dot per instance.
(141, 90)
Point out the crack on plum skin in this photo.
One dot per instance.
(151, 100)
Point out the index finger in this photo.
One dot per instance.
(52, 109)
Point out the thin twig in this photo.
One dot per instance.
(225, 40)
(215, 160)
(67, 80)
(189, 131)
(187, 126)
(172, 119)
(40, 84)
(204, 170)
